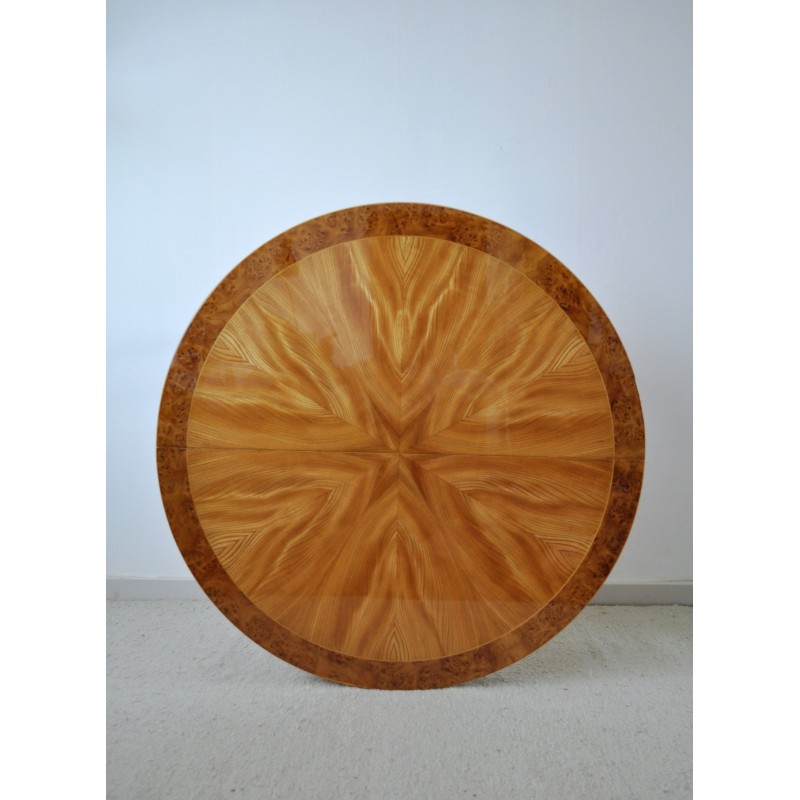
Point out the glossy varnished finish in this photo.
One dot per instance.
(400, 446)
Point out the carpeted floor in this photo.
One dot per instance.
(196, 710)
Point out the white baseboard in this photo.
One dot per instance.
(153, 589)
(655, 593)
(644, 593)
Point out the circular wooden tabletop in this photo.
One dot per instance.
(400, 446)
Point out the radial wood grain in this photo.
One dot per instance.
(402, 343)
(396, 557)
(405, 459)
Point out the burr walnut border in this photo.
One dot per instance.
(409, 219)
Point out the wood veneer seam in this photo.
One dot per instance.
(413, 453)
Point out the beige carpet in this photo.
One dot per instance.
(196, 710)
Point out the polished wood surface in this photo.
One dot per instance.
(398, 459)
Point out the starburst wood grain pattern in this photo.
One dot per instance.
(399, 459)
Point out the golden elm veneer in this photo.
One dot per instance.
(400, 446)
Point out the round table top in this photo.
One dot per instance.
(400, 446)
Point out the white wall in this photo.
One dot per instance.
(228, 122)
